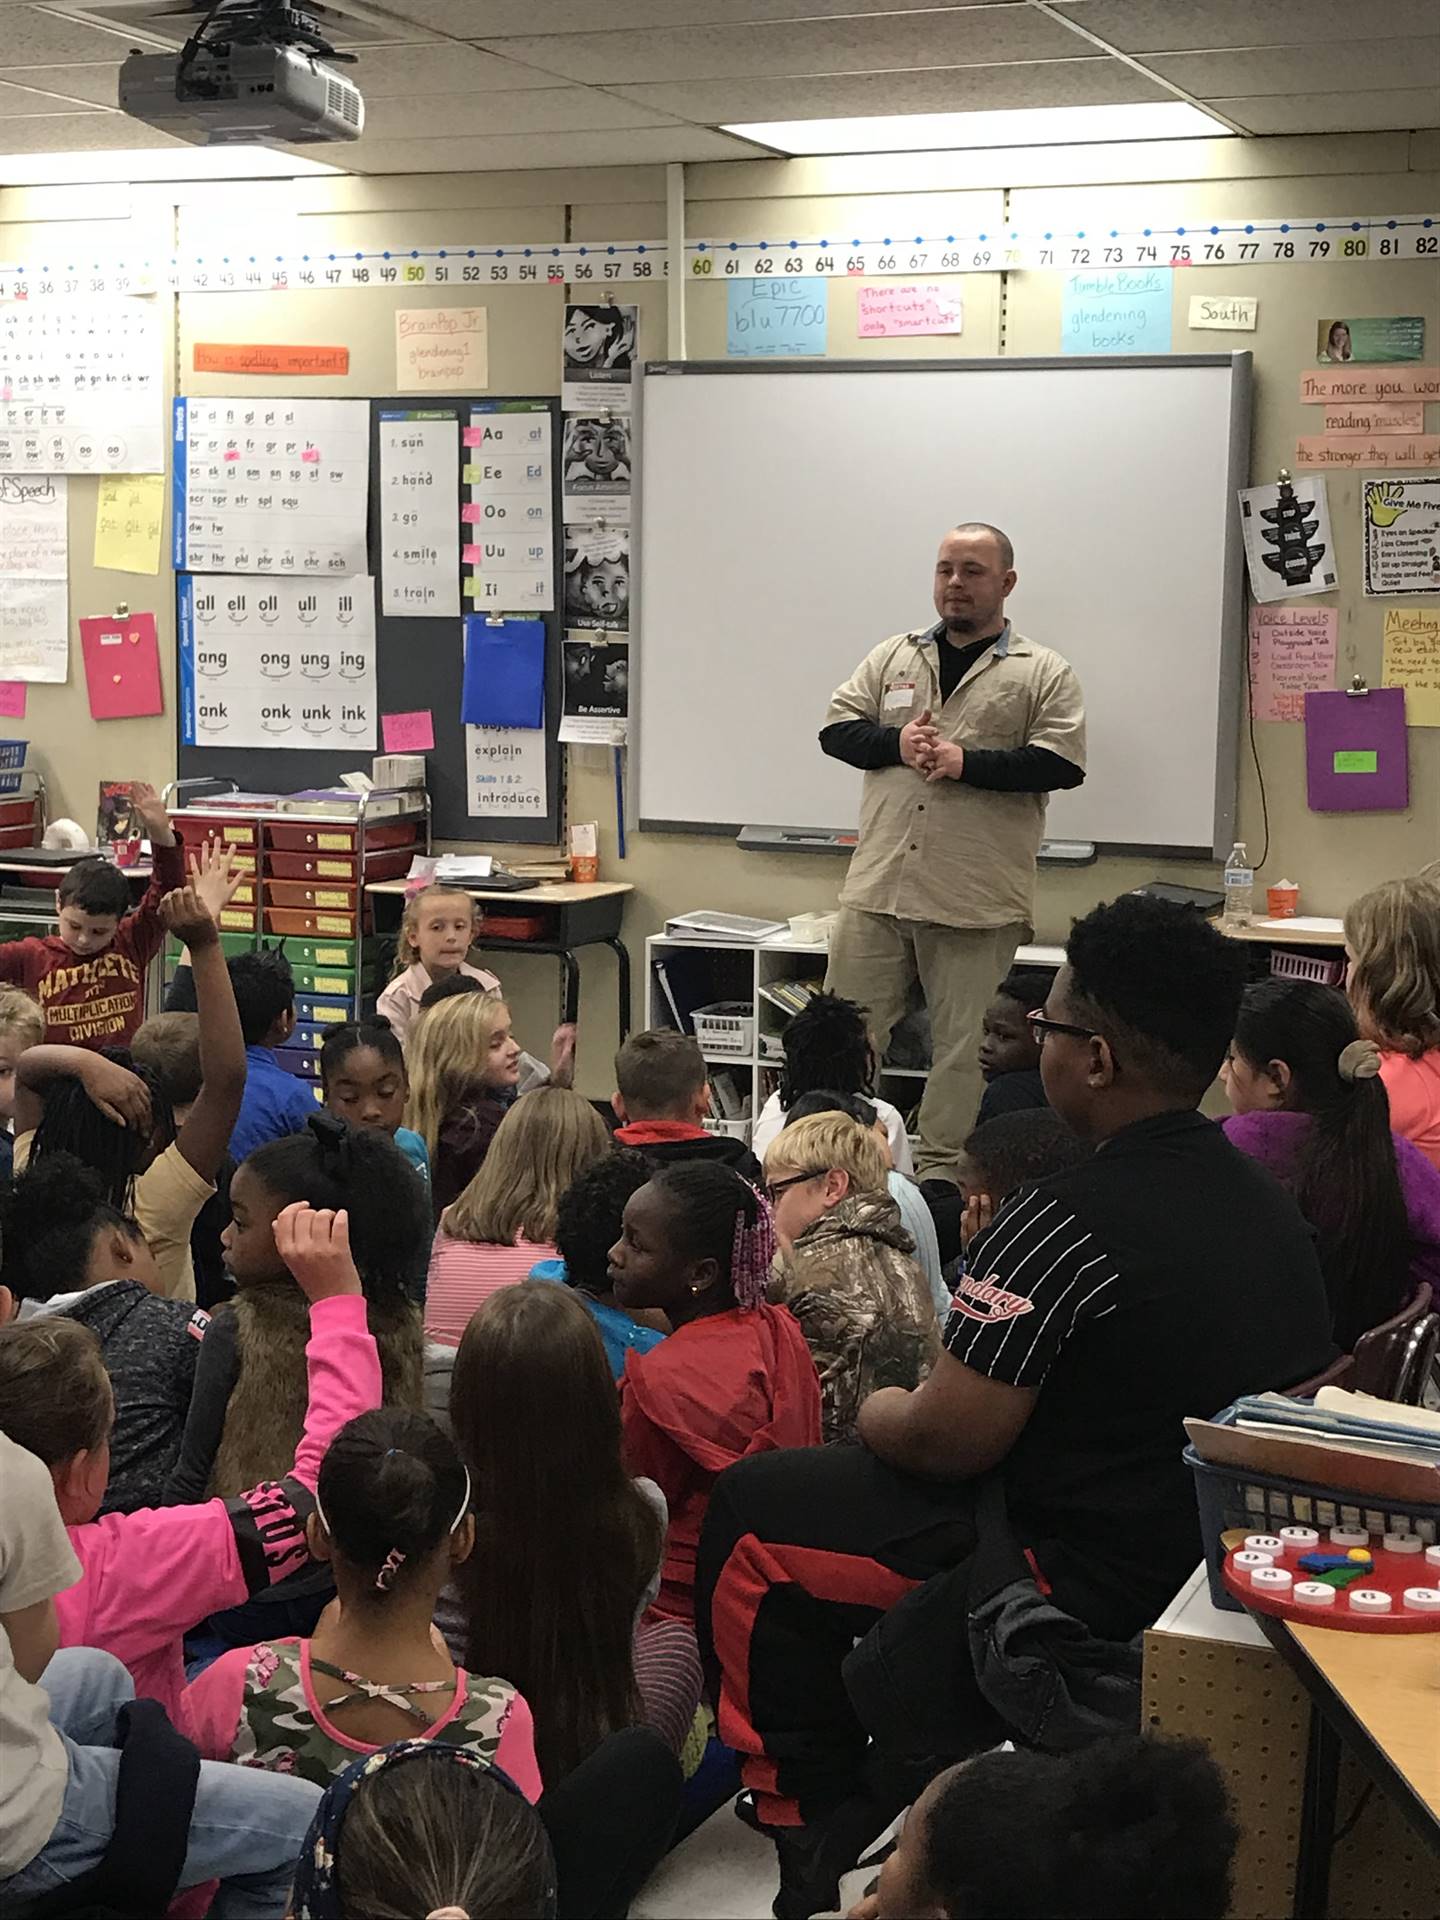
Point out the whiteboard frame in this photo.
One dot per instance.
(1230, 708)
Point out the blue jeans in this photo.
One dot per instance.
(246, 1829)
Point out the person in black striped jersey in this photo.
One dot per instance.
(1164, 1276)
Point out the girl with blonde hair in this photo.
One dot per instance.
(504, 1221)
(435, 935)
(1392, 938)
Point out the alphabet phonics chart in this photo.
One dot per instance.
(81, 387)
(271, 486)
(509, 519)
(419, 536)
(277, 663)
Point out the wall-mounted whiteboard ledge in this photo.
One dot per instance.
(815, 494)
(797, 839)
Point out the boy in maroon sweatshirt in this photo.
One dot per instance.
(90, 977)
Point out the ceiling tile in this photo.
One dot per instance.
(966, 36)
(640, 146)
(578, 16)
(23, 103)
(31, 38)
(1152, 26)
(549, 110)
(1331, 67)
(95, 85)
(1043, 83)
(1335, 112)
(82, 133)
(448, 67)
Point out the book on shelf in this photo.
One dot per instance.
(791, 996)
(378, 804)
(738, 927)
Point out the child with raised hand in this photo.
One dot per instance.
(363, 1079)
(392, 1517)
(828, 1046)
(114, 1115)
(436, 933)
(735, 1376)
(248, 1405)
(149, 1576)
(89, 976)
(1310, 1104)
(504, 1221)
(67, 1251)
(1131, 1828)
(1392, 938)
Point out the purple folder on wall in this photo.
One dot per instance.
(1356, 751)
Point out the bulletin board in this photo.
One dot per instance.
(419, 663)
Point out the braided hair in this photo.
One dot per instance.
(715, 1215)
(72, 1123)
(827, 1044)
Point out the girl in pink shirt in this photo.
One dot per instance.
(435, 936)
(150, 1576)
(1392, 938)
(392, 1514)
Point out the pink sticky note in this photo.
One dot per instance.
(472, 436)
(470, 514)
(408, 732)
(311, 456)
(12, 699)
(469, 556)
(231, 454)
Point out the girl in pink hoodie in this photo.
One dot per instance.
(148, 1577)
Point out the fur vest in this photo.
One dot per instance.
(266, 1412)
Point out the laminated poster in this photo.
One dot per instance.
(598, 358)
(419, 534)
(596, 683)
(597, 577)
(595, 463)
(81, 386)
(1401, 525)
(34, 596)
(1289, 548)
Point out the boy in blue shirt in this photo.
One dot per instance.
(276, 1102)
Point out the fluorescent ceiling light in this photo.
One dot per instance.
(1008, 127)
(123, 166)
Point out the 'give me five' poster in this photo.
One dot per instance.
(277, 662)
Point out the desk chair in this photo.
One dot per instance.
(1393, 1360)
(1337, 1374)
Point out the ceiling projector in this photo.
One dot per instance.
(251, 71)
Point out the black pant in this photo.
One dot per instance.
(800, 1554)
(610, 1822)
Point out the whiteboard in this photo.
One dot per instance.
(789, 521)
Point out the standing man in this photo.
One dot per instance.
(962, 731)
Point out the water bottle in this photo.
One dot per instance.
(1239, 887)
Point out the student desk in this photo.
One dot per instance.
(1298, 932)
(1379, 1698)
(574, 913)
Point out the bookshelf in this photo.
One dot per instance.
(766, 975)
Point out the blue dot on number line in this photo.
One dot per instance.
(641, 247)
(700, 246)
(1081, 234)
(1147, 233)
(384, 256)
(1284, 226)
(1427, 223)
(1354, 226)
(886, 241)
(1319, 226)
(824, 243)
(1214, 229)
(359, 256)
(1392, 224)
(949, 239)
(1249, 228)
(984, 236)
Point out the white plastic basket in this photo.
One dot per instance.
(1286, 964)
(728, 1027)
(732, 1129)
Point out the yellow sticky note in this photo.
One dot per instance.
(128, 522)
(1412, 661)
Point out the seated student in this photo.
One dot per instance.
(504, 1221)
(148, 1577)
(436, 933)
(1012, 1150)
(827, 1044)
(1392, 937)
(275, 1102)
(916, 1215)
(362, 1076)
(1132, 1827)
(661, 1097)
(1094, 1317)
(734, 1378)
(845, 1270)
(392, 1516)
(1009, 1052)
(568, 1544)
(61, 1766)
(120, 1122)
(1310, 1105)
(248, 1405)
(89, 976)
(67, 1251)
(22, 1025)
(587, 1224)
(168, 1046)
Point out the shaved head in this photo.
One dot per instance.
(971, 528)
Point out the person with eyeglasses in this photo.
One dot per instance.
(1164, 1276)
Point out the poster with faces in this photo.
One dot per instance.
(599, 358)
(277, 662)
(595, 465)
(597, 577)
(596, 683)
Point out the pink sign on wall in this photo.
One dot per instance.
(897, 310)
(1292, 653)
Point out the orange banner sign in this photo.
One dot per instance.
(1374, 416)
(1371, 383)
(1394, 453)
(224, 357)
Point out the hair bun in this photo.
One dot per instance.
(1360, 1060)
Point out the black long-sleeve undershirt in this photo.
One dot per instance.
(867, 744)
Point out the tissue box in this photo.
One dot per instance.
(398, 770)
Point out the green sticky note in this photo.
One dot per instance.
(1357, 761)
(470, 476)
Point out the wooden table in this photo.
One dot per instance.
(1378, 1695)
(575, 914)
(1285, 933)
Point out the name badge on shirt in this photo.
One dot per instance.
(900, 693)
